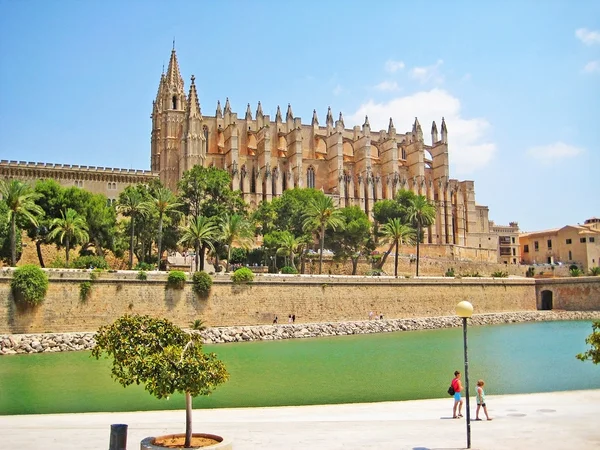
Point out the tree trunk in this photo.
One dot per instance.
(67, 250)
(188, 420)
(159, 241)
(202, 250)
(396, 261)
(131, 244)
(384, 258)
(322, 246)
(354, 264)
(98, 248)
(197, 257)
(38, 248)
(418, 241)
(13, 239)
(302, 262)
(228, 257)
(292, 260)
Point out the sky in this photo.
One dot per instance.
(518, 82)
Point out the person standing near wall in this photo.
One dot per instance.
(458, 401)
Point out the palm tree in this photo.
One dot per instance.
(289, 245)
(235, 229)
(163, 202)
(198, 232)
(132, 204)
(320, 214)
(398, 233)
(70, 229)
(421, 212)
(20, 199)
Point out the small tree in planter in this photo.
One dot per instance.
(162, 357)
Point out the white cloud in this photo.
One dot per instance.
(387, 86)
(469, 145)
(393, 66)
(554, 153)
(429, 73)
(592, 67)
(337, 90)
(588, 37)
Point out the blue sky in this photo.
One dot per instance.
(517, 81)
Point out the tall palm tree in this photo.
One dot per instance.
(235, 229)
(320, 214)
(421, 212)
(163, 202)
(132, 204)
(289, 245)
(20, 199)
(70, 229)
(199, 232)
(398, 233)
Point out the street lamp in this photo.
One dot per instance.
(464, 310)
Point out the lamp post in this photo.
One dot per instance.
(464, 310)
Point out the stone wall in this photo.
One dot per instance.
(310, 298)
(571, 294)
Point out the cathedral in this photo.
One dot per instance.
(355, 166)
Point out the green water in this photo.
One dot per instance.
(517, 358)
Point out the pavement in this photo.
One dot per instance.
(548, 421)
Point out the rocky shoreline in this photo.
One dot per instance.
(11, 344)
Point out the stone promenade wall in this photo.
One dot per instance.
(571, 294)
(310, 298)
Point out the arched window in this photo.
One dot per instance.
(284, 180)
(310, 177)
(174, 101)
(403, 153)
(253, 181)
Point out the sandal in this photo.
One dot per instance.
(460, 415)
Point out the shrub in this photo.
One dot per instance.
(573, 266)
(29, 284)
(576, 272)
(242, 275)
(89, 262)
(202, 282)
(58, 263)
(143, 266)
(289, 270)
(530, 272)
(142, 275)
(198, 324)
(85, 289)
(176, 279)
(449, 272)
(374, 272)
(499, 274)
(595, 271)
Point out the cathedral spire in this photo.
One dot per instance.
(434, 133)
(193, 106)
(259, 111)
(227, 106)
(366, 124)
(417, 131)
(248, 113)
(289, 115)
(444, 132)
(278, 114)
(219, 113)
(341, 119)
(315, 119)
(173, 75)
(329, 119)
(391, 128)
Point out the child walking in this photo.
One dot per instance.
(481, 401)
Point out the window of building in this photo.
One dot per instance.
(514, 252)
(536, 245)
(513, 240)
(174, 102)
(582, 240)
(78, 183)
(504, 251)
(504, 240)
(570, 256)
(526, 248)
(403, 153)
(569, 241)
(592, 239)
(549, 244)
(310, 177)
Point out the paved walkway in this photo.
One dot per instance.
(560, 420)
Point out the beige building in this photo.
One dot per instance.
(265, 156)
(571, 244)
(507, 237)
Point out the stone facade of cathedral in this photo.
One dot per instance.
(354, 165)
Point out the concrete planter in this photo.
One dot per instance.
(224, 444)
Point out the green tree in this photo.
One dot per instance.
(131, 204)
(421, 212)
(5, 253)
(593, 340)
(397, 233)
(235, 229)
(162, 357)
(199, 232)
(291, 209)
(352, 238)
(70, 229)
(321, 214)
(163, 202)
(289, 246)
(20, 200)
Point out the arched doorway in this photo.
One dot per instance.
(546, 300)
